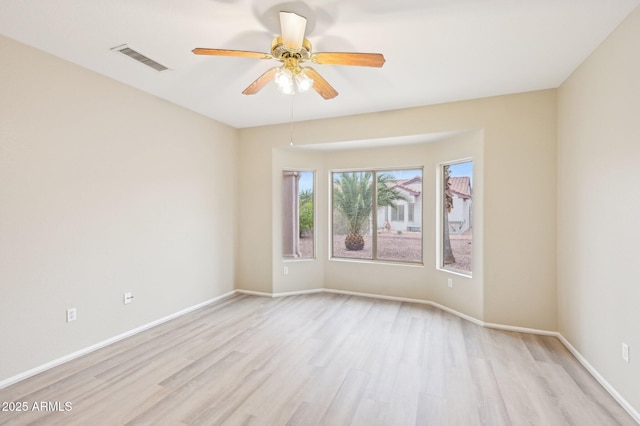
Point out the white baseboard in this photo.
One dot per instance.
(39, 369)
(298, 293)
(520, 329)
(290, 293)
(376, 296)
(606, 385)
(254, 293)
(458, 314)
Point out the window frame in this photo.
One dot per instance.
(315, 214)
(398, 213)
(374, 258)
(440, 217)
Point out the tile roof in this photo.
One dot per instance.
(460, 185)
(403, 184)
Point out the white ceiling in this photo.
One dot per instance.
(436, 50)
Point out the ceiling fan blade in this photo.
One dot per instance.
(260, 82)
(346, 58)
(292, 27)
(225, 52)
(321, 85)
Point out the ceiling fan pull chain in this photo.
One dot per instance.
(291, 125)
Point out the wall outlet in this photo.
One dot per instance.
(286, 270)
(128, 298)
(450, 282)
(72, 314)
(625, 352)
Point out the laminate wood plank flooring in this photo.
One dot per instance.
(320, 359)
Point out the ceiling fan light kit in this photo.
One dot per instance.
(292, 48)
(290, 80)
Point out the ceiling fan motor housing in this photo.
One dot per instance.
(281, 52)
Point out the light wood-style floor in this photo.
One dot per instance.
(321, 359)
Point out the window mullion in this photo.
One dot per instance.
(374, 218)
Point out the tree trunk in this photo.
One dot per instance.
(354, 242)
(447, 253)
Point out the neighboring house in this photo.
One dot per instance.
(407, 215)
(460, 216)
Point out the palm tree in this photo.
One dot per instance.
(353, 199)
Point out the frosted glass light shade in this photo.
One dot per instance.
(290, 81)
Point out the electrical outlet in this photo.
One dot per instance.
(72, 314)
(128, 298)
(286, 270)
(625, 352)
(450, 282)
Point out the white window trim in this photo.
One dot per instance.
(315, 216)
(330, 256)
(439, 220)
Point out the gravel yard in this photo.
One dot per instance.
(461, 246)
(399, 247)
(306, 246)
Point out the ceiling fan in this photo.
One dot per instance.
(292, 48)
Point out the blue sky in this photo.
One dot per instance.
(306, 181)
(462, 169)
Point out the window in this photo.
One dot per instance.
(397, 213)
(457, 217)
(411, 210)
(368, 215)
(298, 214)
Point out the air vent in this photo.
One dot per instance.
(127, 50)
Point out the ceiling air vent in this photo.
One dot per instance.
(127, 50)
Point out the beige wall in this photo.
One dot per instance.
(304, 274)
(517, 283)
(598, 208)
(103, 189)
